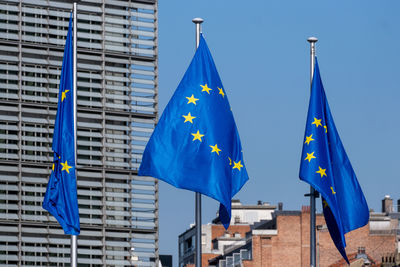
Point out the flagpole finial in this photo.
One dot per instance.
(312, 39)
(197, 20)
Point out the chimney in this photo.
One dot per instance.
(280, 206)
(305, 209)
(236, 202)
(259, 202)
(387, 204)
(398, 205)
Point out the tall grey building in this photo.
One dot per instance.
(117, 110)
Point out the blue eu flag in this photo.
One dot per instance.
(61, 194)
(195, 144)
(326, 167)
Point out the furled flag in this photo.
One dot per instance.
(61, 194)
(195, 144)
(326, 167)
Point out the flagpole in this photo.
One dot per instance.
(313, 193)
(198, 22)
(74, 246)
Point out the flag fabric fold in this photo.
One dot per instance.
(326, 167)
(196, 145)
(61, 194)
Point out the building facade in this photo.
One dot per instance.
(282, 238)
(214, 236)
(286, 241)
(117, 111)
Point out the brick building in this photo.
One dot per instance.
(214, 236)
(284, 240)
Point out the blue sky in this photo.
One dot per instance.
(262, 55)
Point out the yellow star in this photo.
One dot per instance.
(230, 161)
(188, 117)
(205, 88)
(321, 171)
(237, 165)
(308, 139)
(192, 99)
(333, 192)
(215, 149)
(197, 136)
(325, 203)
(221, 92)
(310, 157)
(63, 95)
(65, 166)
(317, 122)
(326, 129)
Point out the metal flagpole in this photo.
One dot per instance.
(198, 22)
(74, 245)
(313, 193)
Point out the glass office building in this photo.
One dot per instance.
(117, 111)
